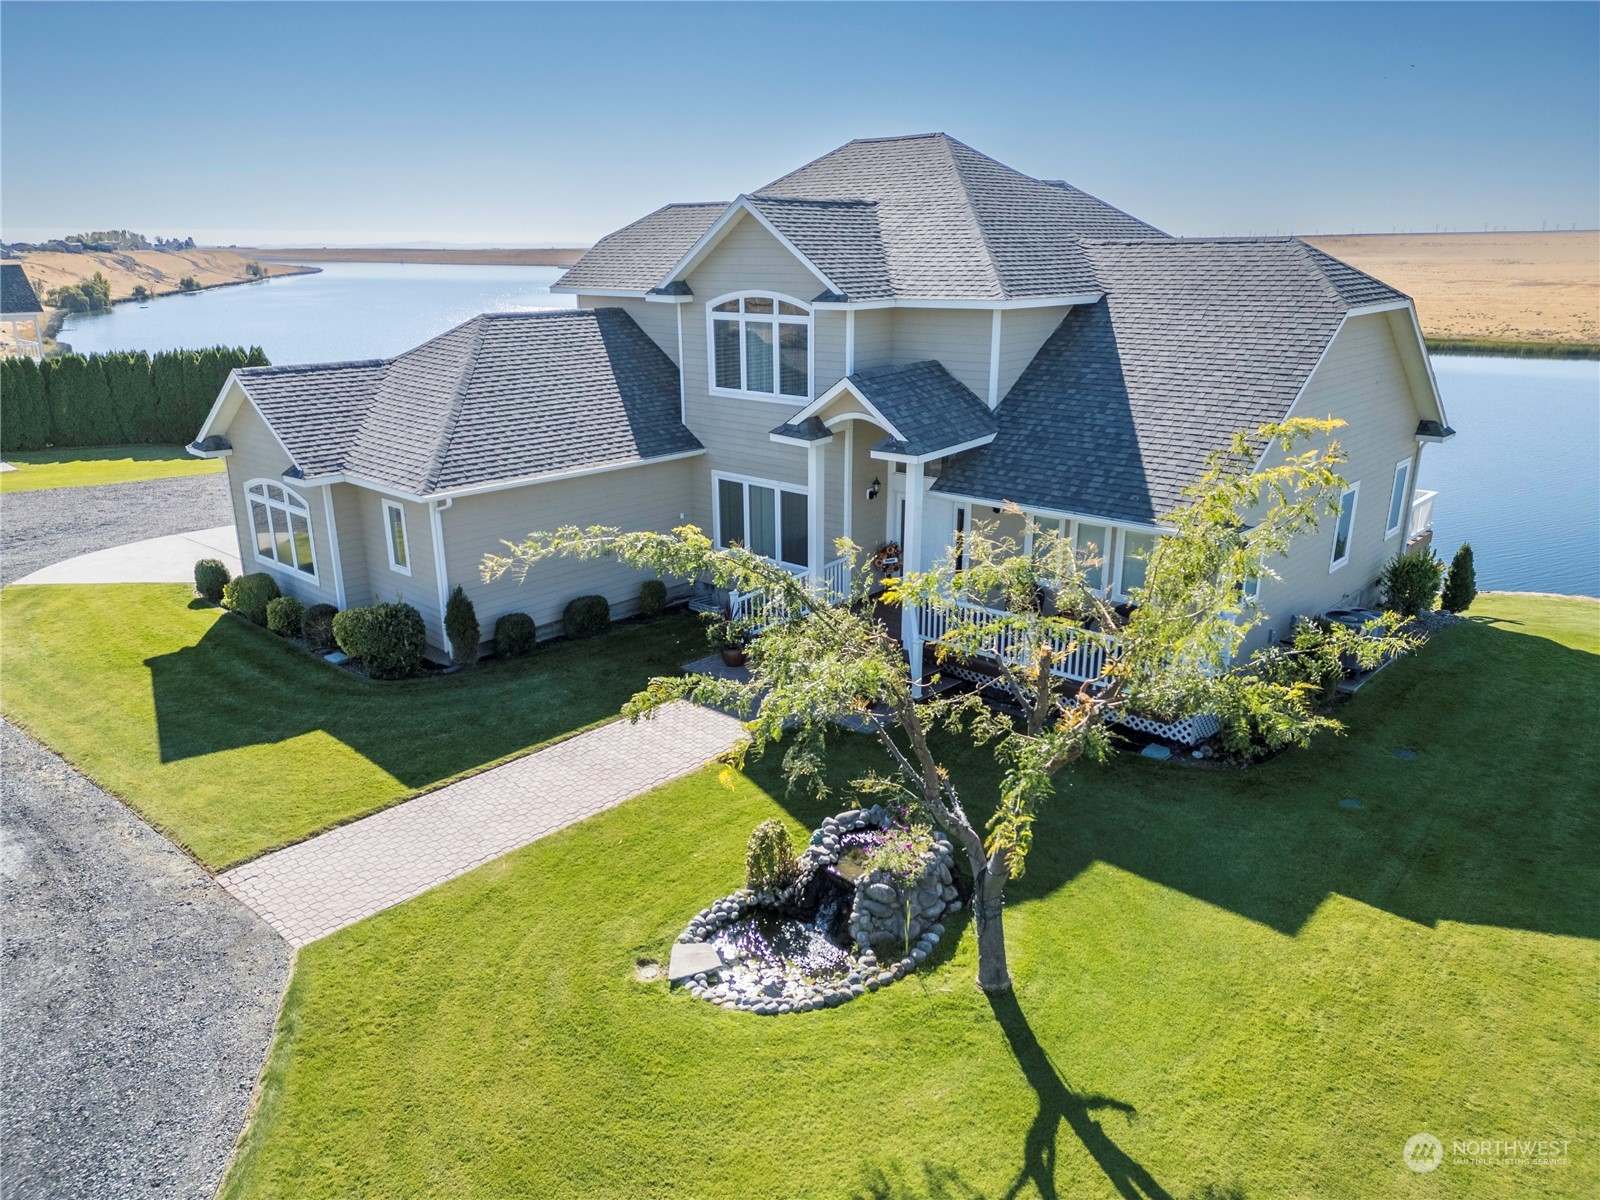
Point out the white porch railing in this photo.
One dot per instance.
(1080, 655)
(756, 610)
(1422, 512)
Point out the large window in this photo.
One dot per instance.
(767, 518)
(281, 522)
(1090, 546)
(761, 345)
(1136, 549)
(394, 528)
(1342, 530)
(1398, 498)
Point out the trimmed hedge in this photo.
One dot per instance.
(586, 616)
(1461, 584)
(113, 399)
(285, 616)
(350, 630)
(514, 635)
(652, 598)
(461, 626)
(249, 595)
(210, 578)
(392, 641)
(1411, 582)
(317, 628)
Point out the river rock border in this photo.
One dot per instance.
(878, 905)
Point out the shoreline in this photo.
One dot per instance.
(1490, 348)
(538, 256)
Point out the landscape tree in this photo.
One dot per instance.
(132, 396)
(24, 414)
(1461, 584)
(817, 666)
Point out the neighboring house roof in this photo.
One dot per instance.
(1196, 339)
(637, 257)
(923, 217)
(929, 407)
(16, 293)
(504, 396)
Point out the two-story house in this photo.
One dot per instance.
(892, 343)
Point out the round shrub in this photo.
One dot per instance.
(769, 862)
(652, 598)
(210, 577)
(586, 616)
(1411, 581)
(317, 627)
(461, 626)
(350, 630)
(392, 641)
(249, 595)
(1461, 584)
(285, 616)
(514, 635)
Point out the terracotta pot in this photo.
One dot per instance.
(734, 656)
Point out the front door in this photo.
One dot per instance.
(941, 521)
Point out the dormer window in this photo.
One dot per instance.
(761, 347)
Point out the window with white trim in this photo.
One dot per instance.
(765, 517)
(1344, 527)
(761, 345)
(394, 537)
(1136, 548)
(1090, 546)
(1398, 498)
(281, 523)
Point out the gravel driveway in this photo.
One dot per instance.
(137, 997)
(40, 528)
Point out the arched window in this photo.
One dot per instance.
(281, 522)
(761, 345)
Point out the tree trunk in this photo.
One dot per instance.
(988, 919)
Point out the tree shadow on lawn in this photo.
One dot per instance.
(1490, 823)
(243, 686)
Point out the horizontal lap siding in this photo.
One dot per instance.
(383, 583)
(1361, 381)
(354, 557)
(1022, 332)
(257, 455)
(874, 338)
(657, 319)
(958, 338)
(637, 498)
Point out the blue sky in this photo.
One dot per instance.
(515, 124)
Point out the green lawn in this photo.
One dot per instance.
(81, 466)
(1228, 986)
(234, 742)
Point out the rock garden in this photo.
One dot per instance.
(861, 907)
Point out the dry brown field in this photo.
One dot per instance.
(1509, 287)
(157, 270)
(545, 256)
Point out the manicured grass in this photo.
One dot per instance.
(234, 742)
(1228, 986)
(82, 466)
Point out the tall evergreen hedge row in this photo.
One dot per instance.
(113, 399)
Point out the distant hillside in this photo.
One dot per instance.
(538, 257)
(158, 271)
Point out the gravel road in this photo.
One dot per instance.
(137, 998)
(40, 528)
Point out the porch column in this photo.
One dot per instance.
(910, 558)
(816, 510)
(849, 479)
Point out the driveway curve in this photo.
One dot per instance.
(40, 528)
(138, 997)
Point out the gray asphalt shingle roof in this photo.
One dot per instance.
(1196, 338)
(929, 407)
(638, 256)
(503, 396)
(16, 293)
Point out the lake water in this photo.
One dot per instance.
(1520, 481)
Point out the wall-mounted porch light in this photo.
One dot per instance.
(873, 488)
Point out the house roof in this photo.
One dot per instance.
(637, 257)
(504, 396)
(923, 217)
(16, 293)
(930, 408)
(1194, 340)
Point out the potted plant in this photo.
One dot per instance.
(724, 637)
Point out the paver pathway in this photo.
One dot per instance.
(321, 885)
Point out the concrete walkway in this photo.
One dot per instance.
(167, 559)
(321, 885)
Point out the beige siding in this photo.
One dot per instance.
(1361, 381)
(657, 319)
(354, 558)
(384, 584)
(1022, 332)
(874, 338)
(959, 338)
(257, 455)
(652, 497)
